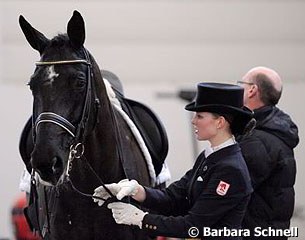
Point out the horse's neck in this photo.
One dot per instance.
(102, 144)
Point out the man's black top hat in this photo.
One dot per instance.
(222, 98)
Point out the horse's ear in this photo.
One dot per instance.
(76, 30)
(35, 38)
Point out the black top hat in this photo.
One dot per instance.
(222, 98)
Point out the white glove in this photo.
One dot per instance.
(127, 188)
(120, 190)
(102, 193)
(124, 213)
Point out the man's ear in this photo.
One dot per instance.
(252, 91)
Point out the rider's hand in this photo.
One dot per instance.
(102, 193)
(124, 213)
(127, 188)
(121, 189)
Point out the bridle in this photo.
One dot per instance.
(77, 132)
(80, 131)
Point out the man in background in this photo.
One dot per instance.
(268, 152)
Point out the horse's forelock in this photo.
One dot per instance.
(60, 48)
(60, 40)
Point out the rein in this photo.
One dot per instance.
(74, 153)
(77, 132)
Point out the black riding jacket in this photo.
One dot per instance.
(198, 200)
(268, 152)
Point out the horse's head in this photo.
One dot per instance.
(63, 97)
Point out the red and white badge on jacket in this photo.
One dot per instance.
(222, 188)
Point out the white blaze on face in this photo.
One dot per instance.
(51, 74)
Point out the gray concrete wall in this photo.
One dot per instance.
(157, 46)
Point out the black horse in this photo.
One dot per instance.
(80, 141)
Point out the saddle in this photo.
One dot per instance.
(151, 130)
(26, 144)
(147, 122)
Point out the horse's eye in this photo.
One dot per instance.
(80, 84)
(79, 81)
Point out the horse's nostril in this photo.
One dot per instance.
(45, 173)
(57, 165)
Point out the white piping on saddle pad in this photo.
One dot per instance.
(111, 94)
(165, 174)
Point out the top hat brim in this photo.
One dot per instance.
(216, 108)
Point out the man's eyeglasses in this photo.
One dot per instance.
(242, 82)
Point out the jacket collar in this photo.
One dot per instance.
(261, 113)
(221, 154)
(209, 150)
